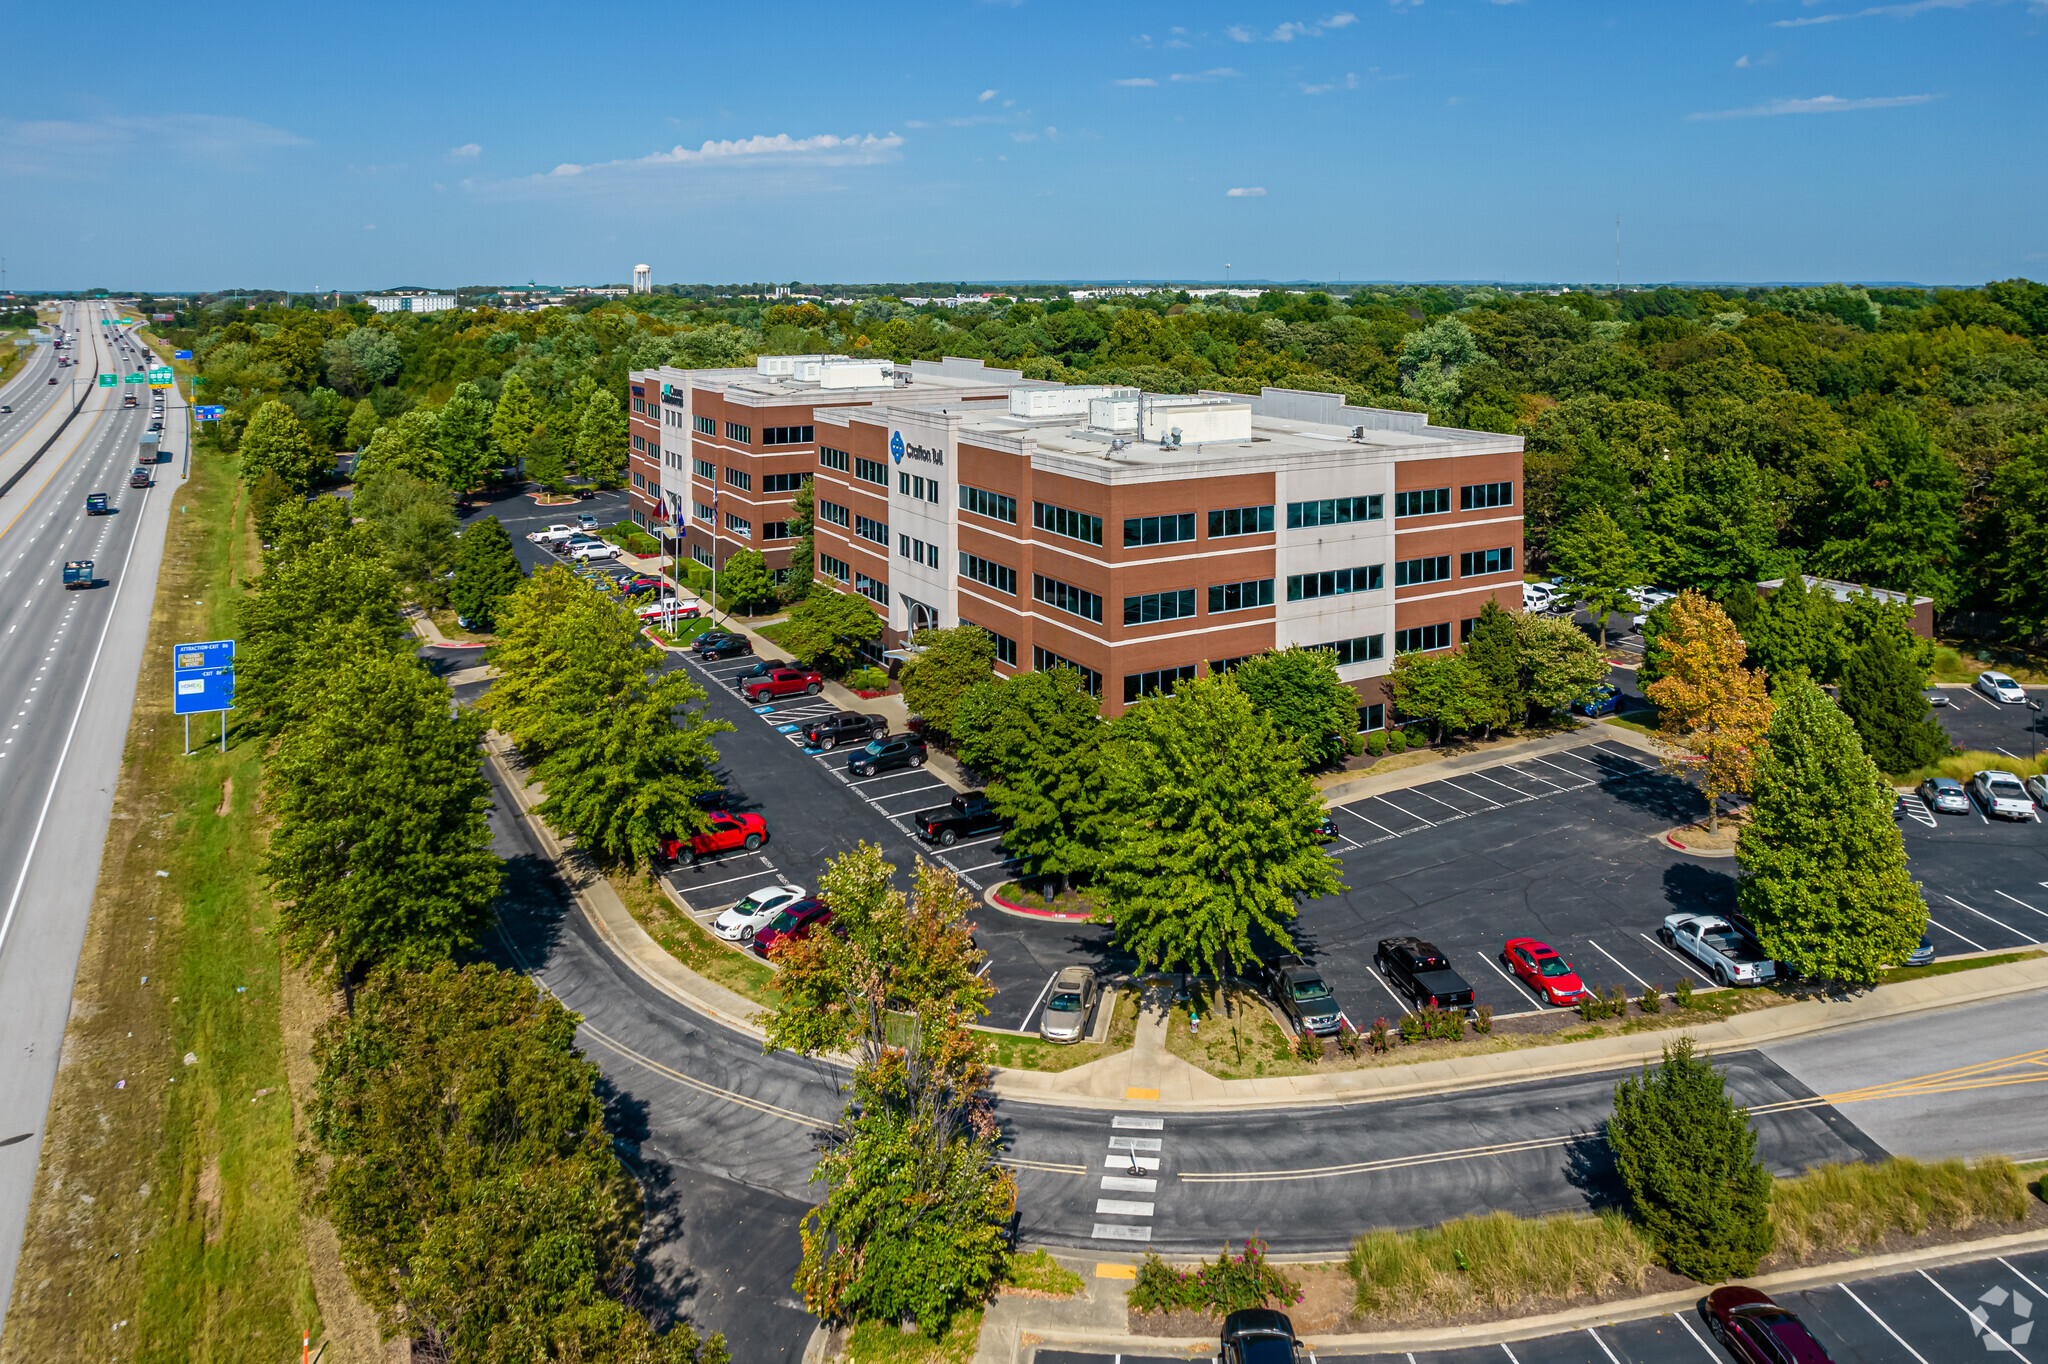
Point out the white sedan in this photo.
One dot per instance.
(2001, 688)
(755, 912)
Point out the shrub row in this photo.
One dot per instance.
(1231, 1284)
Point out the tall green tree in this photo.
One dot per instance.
(462, 438)
(275, 443)
(1883, 695)
(1558, 663)
(1443, 689)
(803, 555)
(1894, 514)
(362, 424)
(743, 583)
(1299, 691)
(409, 445)
(486, 572)
(416, 517)
(268, 496)
(513, 419)
(1709, 523)
(381, 851)
(601, 440)
(547, 455)
(827, 628)
(1037, 738)
(947, 663)
(1599, 565)
(1824, 865)
(1495, 653)
(1212, 836)
(1797, 629)
(1687, 1157)
(2016, 537)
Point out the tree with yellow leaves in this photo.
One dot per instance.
(1709, 705)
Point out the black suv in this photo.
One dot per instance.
(719, 644)
(1303, 995)
(841, 727)
(968, 815)
(884, 752)
(1259, 1335)
(1423, 973)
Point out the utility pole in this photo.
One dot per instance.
(1617, 253)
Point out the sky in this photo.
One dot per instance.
(374, 146)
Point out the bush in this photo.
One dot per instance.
(1483, 1023)
(1397, 742)
(1308, 1047)
(867, 679)
(1495, 1262)
(1682, 995)
(1347, 1037)
(1376, 743)
(1652, 1001)
(1446, 1025)
(1232, 1284)
(1850, 1208)
(1381, 1037)
(1413, 1027)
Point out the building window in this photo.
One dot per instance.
(653, 450)
(1151, 607)
(1424, 502)
(1240, 596)
(1434, 569)
(1220, 666)
(1333, 511)
(1158, 530)
(833, 459)
(640, 405)
(1478, 496)
(1423, 637)
(739, 479)
(786, 435)
(640, 519)
(640, 480)
(700, 510)
(1044, 661)
(639, 441)
(775, 530)
(1065, 597)
(1480, 562)
(913, 486)
(705, 426)
(994, 506)
(705, 469)
(989, 574)
(701, 553)
(1466, 627)
(910, 547)
(1372, 717)
(871, 471)
(1336, 583)
(874, 589)
(1159, 682)
(739, 435)
(834, 568)
(1363, 649)
(1240, 521)
(739, 526)
(867, 528)
(1006, 648)
(834, 513)
(1072, 524)
(782, 483)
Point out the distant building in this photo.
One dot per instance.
(643, 279)
(411, 303)
(1923, 607)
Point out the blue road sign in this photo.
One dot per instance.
(181, 355)
(203, 677)
(212, 653)
(210, 414)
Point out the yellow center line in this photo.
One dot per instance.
(757, 1105)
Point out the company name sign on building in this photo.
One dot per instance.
(898, 449)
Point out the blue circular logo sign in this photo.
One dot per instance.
(896, 446)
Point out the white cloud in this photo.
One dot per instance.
(825, 149)
(1292, 29)
(1820, 104)
(89, 148)
(1876, 11)
(984, 97)
(1135, 81)
(468, 151)
(1214, 73)
(1317, 89)
(1023, 135)
(1246, 192)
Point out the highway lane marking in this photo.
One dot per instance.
(702, 1086)
(2028, 1068)
(1362, 1167)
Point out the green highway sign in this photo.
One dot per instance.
(108, 380)
(131, 378)
(160, 376)
(197, 380)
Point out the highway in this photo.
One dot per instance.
(68, 666)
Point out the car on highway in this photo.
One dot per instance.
(886, 752)
(967, 815)
(590, 552)
(1731, 955)
(1543, 969)
(721, 644)
(552, 532)
(2037, 787)
(53, 379)
(78, 573)
(2001, 794)
(1944, 795)
(139, 478)
(1259, 1335)
(843, 726)
(755, 911)
(725, 832)
(1603, 699)
(783, 681)
(799, 920)
(1067, 1002)
(1299, 991)
(1755, 1330)
(6, 408)
(2001, 688)
(1423, 973)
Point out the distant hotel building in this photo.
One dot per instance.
(411, 303)
(1142, 539)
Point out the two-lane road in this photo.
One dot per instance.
(68, 666)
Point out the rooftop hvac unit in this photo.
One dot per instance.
(777, 366)
(1069, 401)
(806, 371)
(857, 374)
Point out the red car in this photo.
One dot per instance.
(1543, 970)
(1757, 1331)
(798, 921)
(785, 682)
(727, 832)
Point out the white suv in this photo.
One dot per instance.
(2001, 688)
(593, 550)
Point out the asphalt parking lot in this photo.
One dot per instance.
(1975, 721)
(1965, 1311)
(519, 514)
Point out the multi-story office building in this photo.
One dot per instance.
(411, 303)
(1146, 539)
(717, 454)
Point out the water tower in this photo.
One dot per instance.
(643, 279)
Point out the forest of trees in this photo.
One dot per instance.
(1898, 437)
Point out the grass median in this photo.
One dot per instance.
(166, 1197)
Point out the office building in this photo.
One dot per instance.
(410, 303)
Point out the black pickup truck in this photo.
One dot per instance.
(844, 726)
(1301, 993)
(967, 816)
(1423, 973)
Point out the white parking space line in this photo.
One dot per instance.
(1617, 961)
(878, 798)
(1403, 1005)
(1025, 1026)
(1696, 1336)
(974, 842)
(890, 776)
(1511, 980)
(767, 870)
(1990, 1332)
(1410, 813)
(1375, 824)
(1616, 1359)
(2022, 904)
(1632, 759)
(1936, 923)
(1474, 794)
(1456, 813)
(1680, 958)
(1576, 785)
(1520, 796)
(2022, 1278)
(985, 866)
(1988, 919)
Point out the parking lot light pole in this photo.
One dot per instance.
(2034, 731)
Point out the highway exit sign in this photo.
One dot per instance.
(160, 377)
(108, 380)
(131, 378)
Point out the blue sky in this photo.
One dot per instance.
(375, 145)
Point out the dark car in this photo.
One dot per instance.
(1922, 954)
(845, 726)
(1603, 699)
(1259, 1335)
(1423, 973)
(1326, 831)
(966, 816)
(884, 752)
(1757, 1331)
(139, 479)
(800, 920)
(1303, 995)
(721, 644)
(725, 833)
(634, 583)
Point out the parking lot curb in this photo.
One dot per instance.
(1003, 906)
(1525, 1328)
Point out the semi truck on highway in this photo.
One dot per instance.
(147, 453)
(128, 400)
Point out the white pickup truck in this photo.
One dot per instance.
(1729, 955)
(555, 533)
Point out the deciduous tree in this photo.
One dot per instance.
(513, 419)
(1444, 689)
(1599, 565)
(601, 440)
(2016, 538)
(1299, 691)
(486, 572)
(1494, 652)
(409, 445)
(276, 443)
(1709, 522)
(946, 664)
(1883, 695)
(1559, 664)
(1797, 630)
(1893, 516)
(744, 584)
(1708, 704)
(1037, 738)
(416, 517)
(827, 628)
(462, 438)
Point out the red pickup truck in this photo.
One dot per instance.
(785, 682)
(726, 832)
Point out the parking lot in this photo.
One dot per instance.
(1965, 1311)
(519, 514)
(1975, 721)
